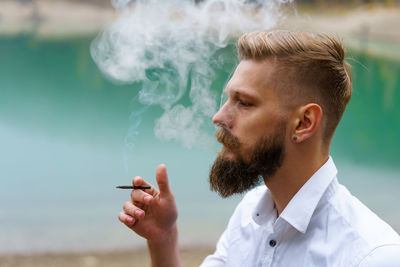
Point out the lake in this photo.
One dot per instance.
(63, 140)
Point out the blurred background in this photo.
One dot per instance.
(71, 128)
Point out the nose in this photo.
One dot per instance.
(223, 116)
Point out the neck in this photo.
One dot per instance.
(298, 166)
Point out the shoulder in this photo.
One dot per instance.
(364, 222)
(237, 236)
(382, 256)
(363, 232)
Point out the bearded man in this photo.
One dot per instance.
(284, 102)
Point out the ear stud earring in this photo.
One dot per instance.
(294, 138)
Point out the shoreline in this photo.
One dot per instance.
(191, 256)
(368, 28)
(46, 18)
(58, 19)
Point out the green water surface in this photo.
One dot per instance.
(62, 131)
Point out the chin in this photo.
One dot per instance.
(227, 154)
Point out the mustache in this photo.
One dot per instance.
(226, 138)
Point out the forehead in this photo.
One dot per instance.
(255, 78)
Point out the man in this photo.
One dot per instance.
(284, 103)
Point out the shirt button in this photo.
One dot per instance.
(272, 243)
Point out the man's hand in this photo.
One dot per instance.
(152, 214)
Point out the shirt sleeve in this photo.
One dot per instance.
(384, 256)
(218, 259)
(221, 254)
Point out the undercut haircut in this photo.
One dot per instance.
(311, 69)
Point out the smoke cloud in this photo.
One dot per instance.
(169, 46)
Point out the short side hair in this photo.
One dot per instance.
(315, 67)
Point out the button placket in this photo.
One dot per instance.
(276, 236)
(266, 258)
(271, 230)
(270, 244)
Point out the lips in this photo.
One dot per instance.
(229, 141)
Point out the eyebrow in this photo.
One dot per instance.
(241, 92)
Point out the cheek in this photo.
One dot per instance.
(250, 125)
(251, 131)
(249, 138)
(253, 128)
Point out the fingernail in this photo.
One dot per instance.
(148, 199)
(139, 212)
(131, 220)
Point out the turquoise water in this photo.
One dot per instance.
(62, 139)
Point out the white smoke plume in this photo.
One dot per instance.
(161, 43)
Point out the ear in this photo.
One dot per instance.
(306, 123)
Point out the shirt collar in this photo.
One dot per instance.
(301, 207)
(265, 209)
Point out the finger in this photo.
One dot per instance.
(139, 205)
(141, 197)
(138, 181)
(126, 219)
(162, 180)
(133, 211)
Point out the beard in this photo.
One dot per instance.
(235, 176)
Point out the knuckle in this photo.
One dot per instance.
(136, 179)
(126, 205)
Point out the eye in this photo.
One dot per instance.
(243, 103)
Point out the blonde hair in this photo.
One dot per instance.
(315, 66)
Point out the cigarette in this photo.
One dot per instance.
(133, 187)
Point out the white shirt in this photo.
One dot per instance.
(323, 225)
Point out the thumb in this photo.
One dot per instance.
(162, 180)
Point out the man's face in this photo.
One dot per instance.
(252, 129)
